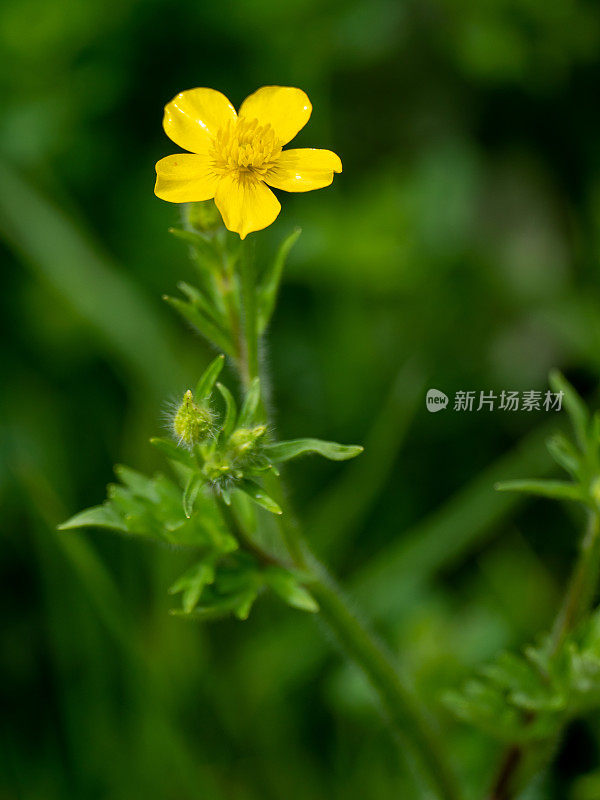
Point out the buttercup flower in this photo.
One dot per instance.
(233, 156)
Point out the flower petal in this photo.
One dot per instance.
(185, 178)
(304, 169)
(246, 204)
(285, 108)
(192, 118)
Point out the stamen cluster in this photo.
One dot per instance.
(245, 147)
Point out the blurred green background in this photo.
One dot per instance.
(459, 249)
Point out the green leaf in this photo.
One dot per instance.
(207, 613)
(174, 452)
(269, 286)
(232, 589)
(192, 583)
(204, 303)
(251, 401)
(284, 451)
(580, 417)
(203, 324)
(152, 508)
(207, 381)
(239, 605)
(190, 493)
(258, 494)
(103, 516)
(558, 490)
(530, 697)
(565, 455)
(136, 481)
(244, 603)
(203, 247)
(230, 412)
(289, 589)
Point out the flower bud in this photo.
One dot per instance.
(243, 439)
(192, 422)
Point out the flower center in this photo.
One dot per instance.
(245, 147)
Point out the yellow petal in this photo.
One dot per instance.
(304, 169)
(285, 108)
(185, 178)
(193, 118)
(246, 204)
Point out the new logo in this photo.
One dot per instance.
(435, 400)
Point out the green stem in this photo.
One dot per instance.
(400, 705)
(520, 763)
(249, 544)
(228, 286)
(402, 708)
(249, 357)
(582, 586)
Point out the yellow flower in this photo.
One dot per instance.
(233, 156)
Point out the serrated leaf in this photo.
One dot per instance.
(103, 516)
(174, 452)
(290, 590)
(249, 406)
(190, 492)
(230, 412)
(284, 451)
(258, 494)
(557, 490)
(203, 324)
(208, 379)
(576, 408)
(269, 286)
(152, 508)
(531, 697)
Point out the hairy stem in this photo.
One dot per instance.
(520, 763)
(249, 357)
(415, 730)
(582, 586)
(407, 717)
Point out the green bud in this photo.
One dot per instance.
(192, 422)
(244, 439)
(203, 216)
